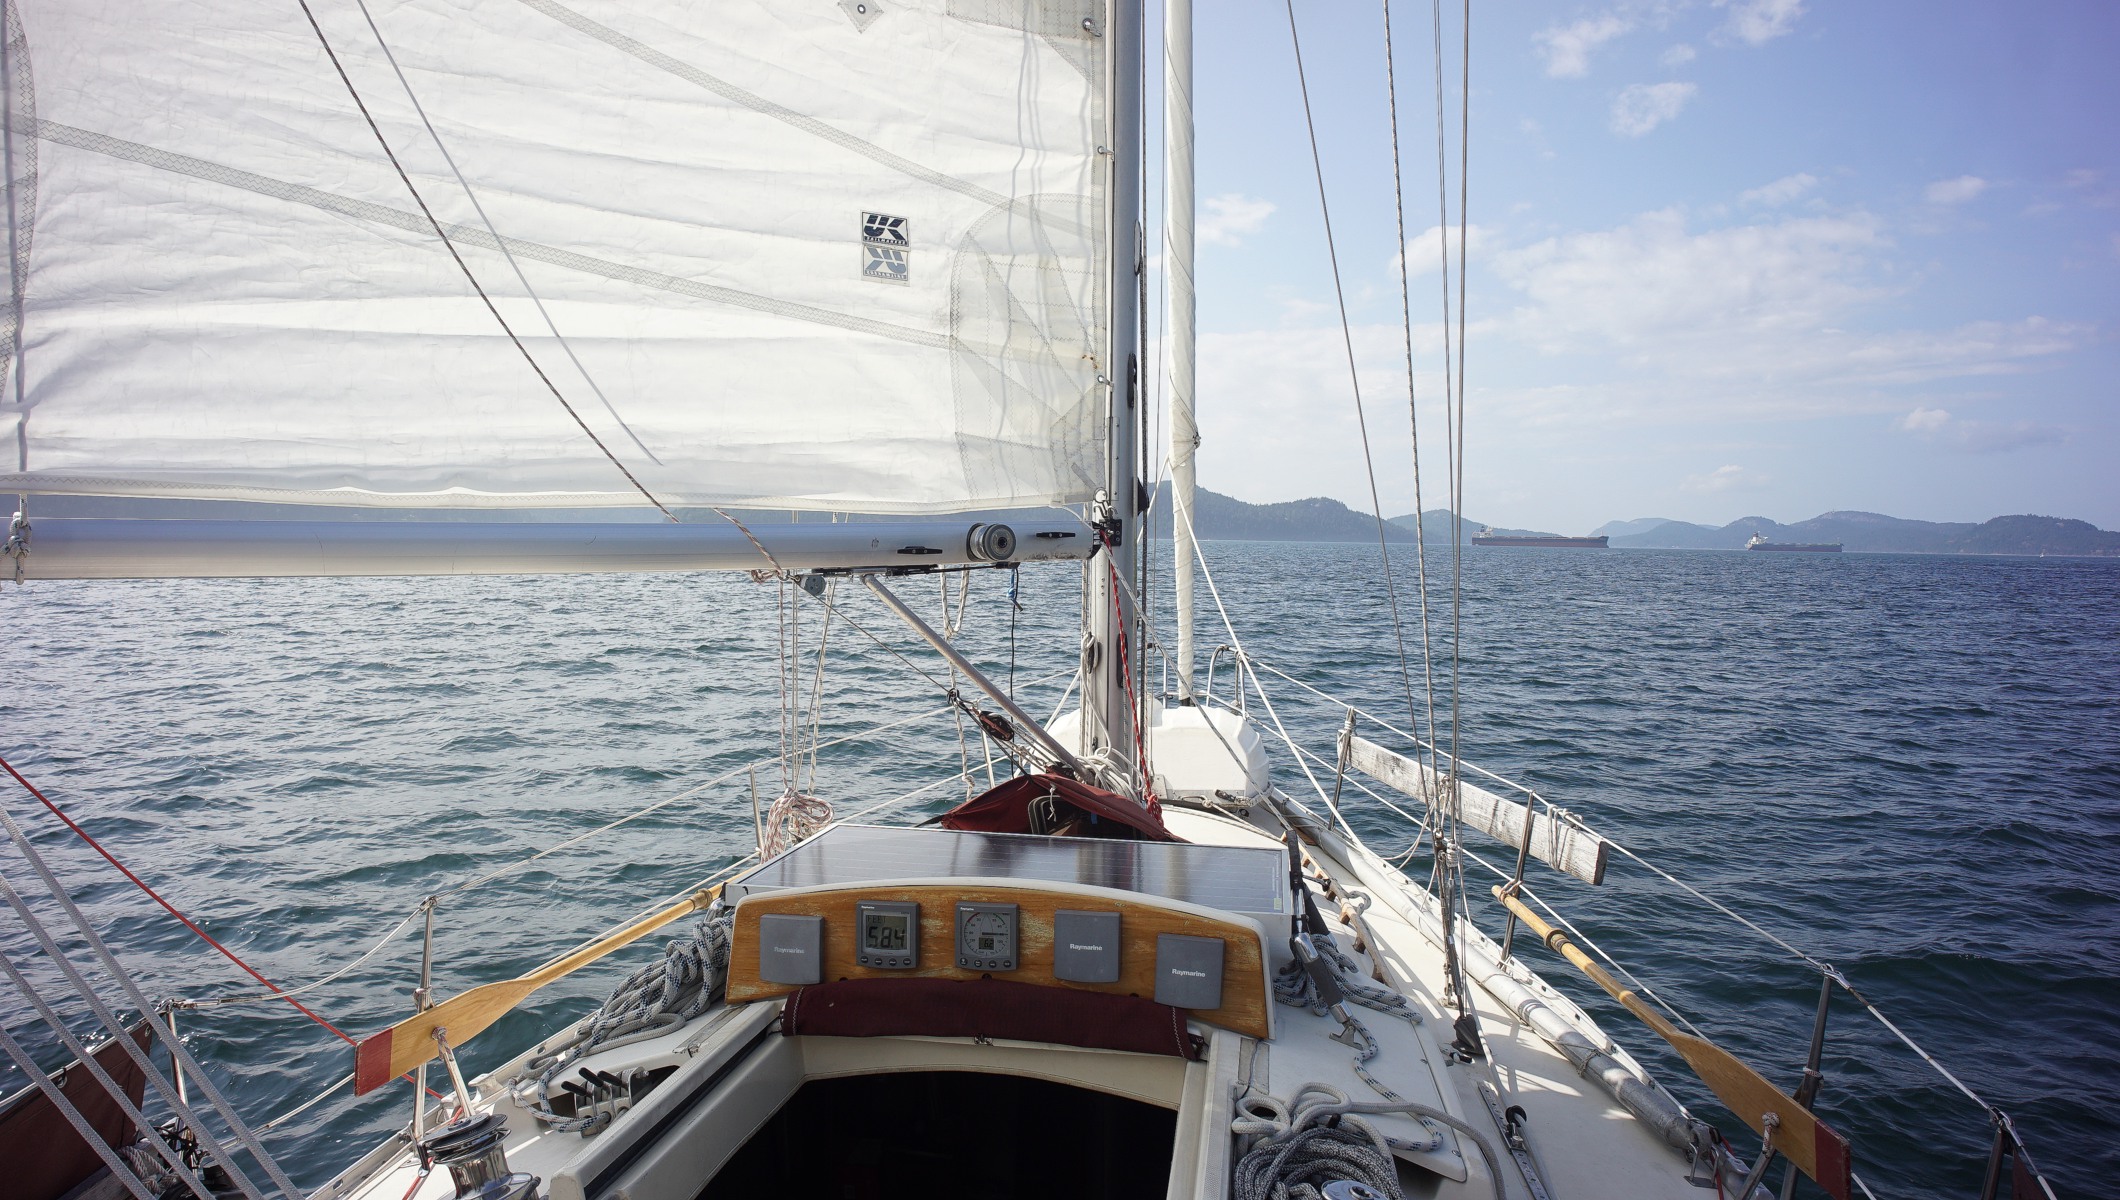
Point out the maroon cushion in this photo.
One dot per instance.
(1005, 808)
(987, 1009)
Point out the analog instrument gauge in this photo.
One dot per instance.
(986, 937)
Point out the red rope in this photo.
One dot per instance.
(171, 909)
(166, 905)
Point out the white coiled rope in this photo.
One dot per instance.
(1321, 1136)
(1292, 985)
(1298, 1152)
(654, 1000)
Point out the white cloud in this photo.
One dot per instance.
(1678, 56)
(1644, 106)
(1424, 250)
(1230, 218)
(1955, 191)
(1757, 22)
(1651, 324)
(1566, 48)
(1781, 191)
(1653, 278)
(1726, 478)
(1765, 318)
(1979, 437)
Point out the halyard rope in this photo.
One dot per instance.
(1292, 985)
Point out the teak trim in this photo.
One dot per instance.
(1245, 997)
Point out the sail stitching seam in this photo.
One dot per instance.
(759, 104)
(466, 267)
(182, 164)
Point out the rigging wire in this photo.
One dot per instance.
(1457, 502)
(167, 907)
(420, 200)
(312, 985)
(1448, 867)
(1413, 410)
(498, 240)
(180, 1058)
(1237, 643)
(1354, 377)
(1523, 889)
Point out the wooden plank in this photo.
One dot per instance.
(1245, 993)
(1807, 1142)
(1564, 845)
(382, 1057)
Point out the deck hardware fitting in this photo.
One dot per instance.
(456, 1074)
(422, 1000)
(1766, 1154)
(1813, 1079)
(1510, 1121)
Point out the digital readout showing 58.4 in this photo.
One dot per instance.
(883, 931)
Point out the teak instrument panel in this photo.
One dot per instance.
(1244, 992)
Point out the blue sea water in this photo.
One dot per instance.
(1908, 766)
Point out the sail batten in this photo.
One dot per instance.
(880, 285)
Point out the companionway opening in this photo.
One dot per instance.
(949, 1133)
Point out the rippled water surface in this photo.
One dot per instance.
(1909, 766)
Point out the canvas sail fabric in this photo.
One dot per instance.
(815, 254)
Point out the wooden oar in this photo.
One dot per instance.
(1800, 1137)
(382, 1057)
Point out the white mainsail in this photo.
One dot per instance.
(827, 256)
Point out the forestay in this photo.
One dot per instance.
(845, 255)
(1557, 839)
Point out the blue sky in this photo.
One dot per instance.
(1728, 257)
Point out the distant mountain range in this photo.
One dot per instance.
(1225, 518)
(1318, 519)
(1877, 533)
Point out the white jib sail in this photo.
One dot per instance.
(844, 255)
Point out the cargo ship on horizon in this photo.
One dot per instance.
(1488, 537)
(1761, 542)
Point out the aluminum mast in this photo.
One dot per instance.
(1178, 268)
(1111, 657)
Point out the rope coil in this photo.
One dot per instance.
(659, 997)
(1293, 986)
(1299, 1152)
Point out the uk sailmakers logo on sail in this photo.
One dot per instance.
(886, 247)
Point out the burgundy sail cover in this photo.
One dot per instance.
(1005, 808)
(988, 1008)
